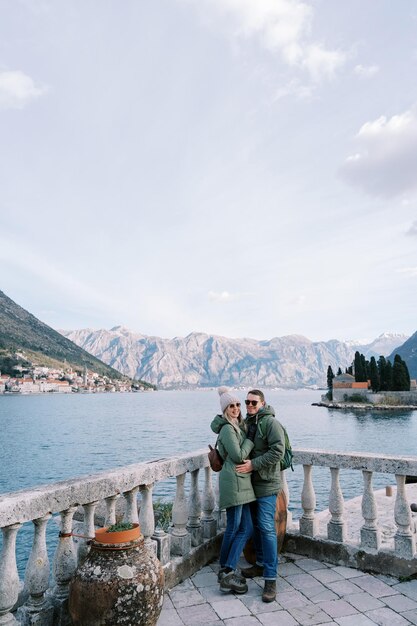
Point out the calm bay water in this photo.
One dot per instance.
(46, 438)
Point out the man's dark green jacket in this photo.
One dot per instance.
(269, 448)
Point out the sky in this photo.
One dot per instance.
(241, 168)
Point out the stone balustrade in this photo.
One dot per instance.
(194, 535)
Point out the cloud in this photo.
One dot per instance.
(409, 271)
(226, 296)
(413, 229)
(281, 26)
(366, 71)
(386, 161)
(17, 90)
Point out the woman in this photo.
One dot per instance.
(234, 445)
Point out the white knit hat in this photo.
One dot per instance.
(226, 397)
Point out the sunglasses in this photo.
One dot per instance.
(251, 402)
(232, 406)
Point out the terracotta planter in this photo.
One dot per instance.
(120, 536)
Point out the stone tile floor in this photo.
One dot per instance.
(309, 592)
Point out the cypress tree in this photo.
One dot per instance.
(357, 364)
(399, 375)
(374, 375)
(382, 371)
(388, 375)
(339, 371)
(330, 377)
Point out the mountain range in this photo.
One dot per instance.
(199, 360)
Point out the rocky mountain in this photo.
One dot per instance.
(20, 331)
(408, 352)
(382, 345)
(210, 360)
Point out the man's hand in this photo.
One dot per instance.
(245, 467)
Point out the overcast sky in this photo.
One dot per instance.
(238, 167)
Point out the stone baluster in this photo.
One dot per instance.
(110, 510)
(38, 609)
(207, 519)
(287, 496)
(131, 498)
(336, 528)
(9, 577)
(308, 521)
(180, 538)
(88, 530)
(65, 564)
(370, 534)
(404, 540)
(194, 526)
(146, 514)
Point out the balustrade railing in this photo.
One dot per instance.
(195, 520)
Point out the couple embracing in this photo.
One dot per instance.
(249, 483)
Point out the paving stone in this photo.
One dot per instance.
(186, 598)
(213, 594)
(204, 579)
(288, 569)
(344, 587)
(408, 588)
(230, 609)
(389, 580)
(309, 565)
(167, 602)
(363, 601)
(242, 621)
(347, 572)
(411, 616)
(374, 586)
(304, 581)
(279, 618)
(338, 608)
(293, 557)
(169, 617)
(400, 603)
(197, 615)
(256, 606)
(321, 596)
(387, 617)
(309, 615)
(354, 620)
(292, 599)
(327, 575)
(282, 585)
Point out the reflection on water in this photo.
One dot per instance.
(49, 438)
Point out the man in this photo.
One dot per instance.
(264, 462)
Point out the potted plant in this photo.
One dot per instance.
(122, 532)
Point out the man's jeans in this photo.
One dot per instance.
(264, 535)
(238, 530)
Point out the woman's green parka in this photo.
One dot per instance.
(234, 448)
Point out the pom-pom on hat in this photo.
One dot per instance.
(226, 397)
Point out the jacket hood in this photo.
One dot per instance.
(266, 410)
(217, 424)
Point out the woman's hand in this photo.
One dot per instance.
(245, 467)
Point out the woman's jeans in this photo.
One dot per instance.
(238, 530)
(264, 535)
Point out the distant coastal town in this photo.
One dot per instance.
(38, 379)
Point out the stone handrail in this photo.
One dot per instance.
(195, 522)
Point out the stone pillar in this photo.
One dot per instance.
(88, 530)
(146, 517)
(9, 577)
(194, 526)
(65, 564)
(404, 540)
(180, 538)
(287, 496)
(207, 519)
(336, 528)
(163, 545)
(110, 510)
(131, 498)
(370, 534)
(308, 521)
(39, 610)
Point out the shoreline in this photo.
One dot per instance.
(366, 406)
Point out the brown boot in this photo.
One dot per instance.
(252, 571)
(270, 591)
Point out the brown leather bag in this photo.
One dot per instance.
(215, 460)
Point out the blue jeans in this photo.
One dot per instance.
(238, 530)
(264, 535)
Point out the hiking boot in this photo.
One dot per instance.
(220, 574)
(233, 582)
(270, 591)
(252, 571)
